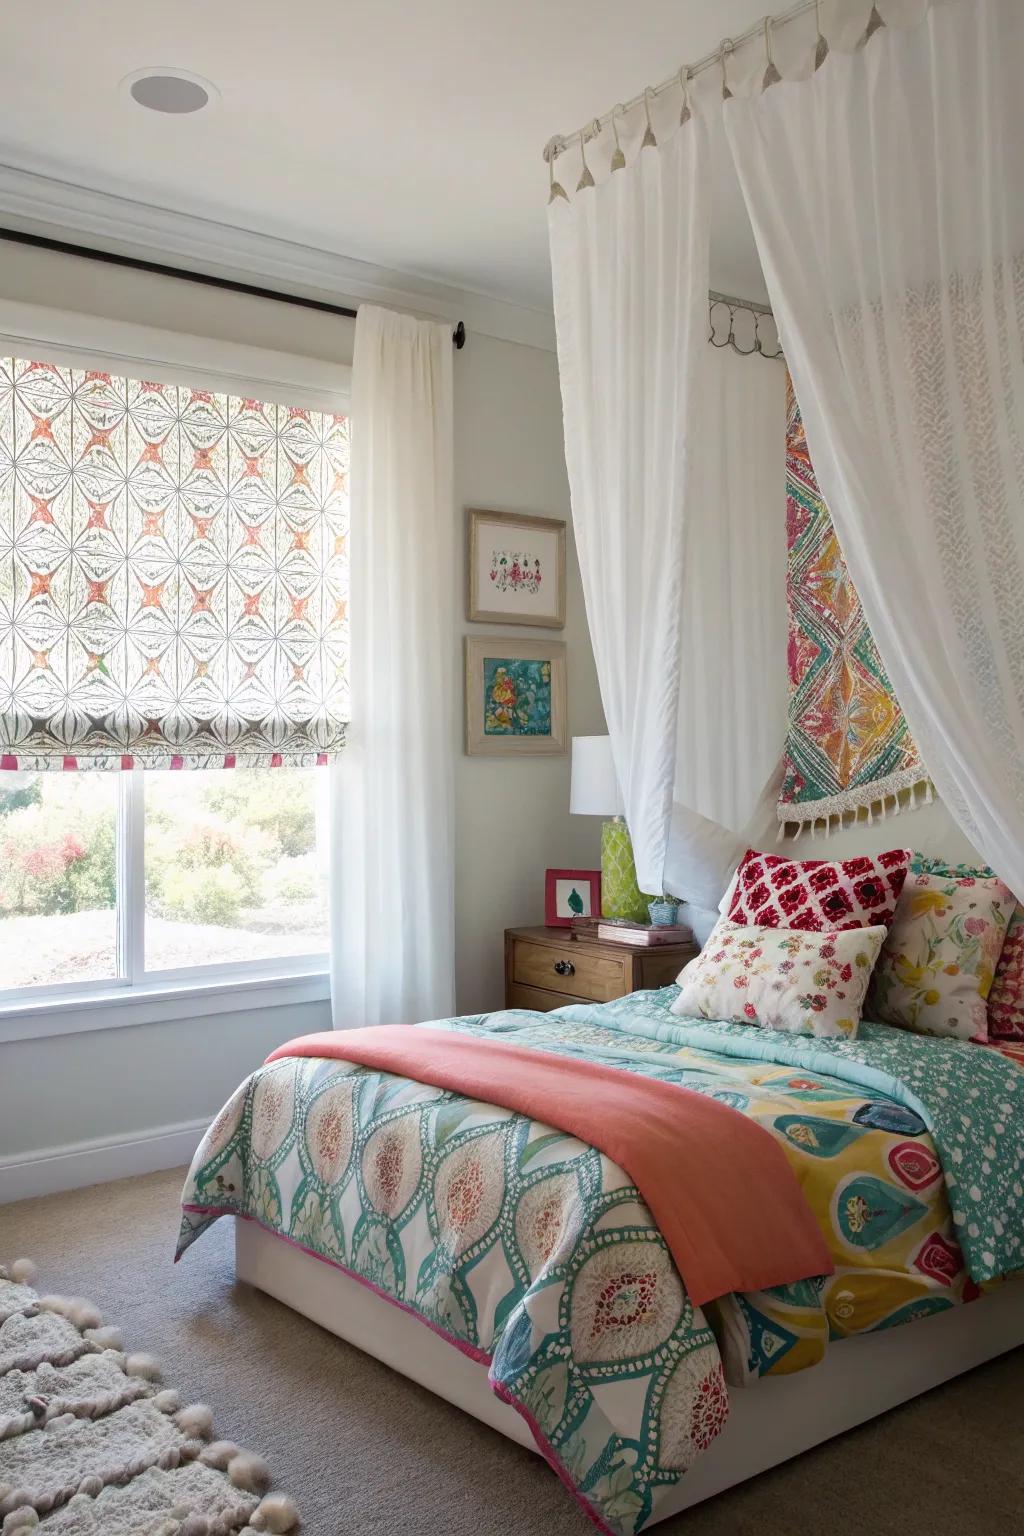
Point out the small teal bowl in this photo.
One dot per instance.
(664, 914)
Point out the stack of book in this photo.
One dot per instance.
(618, 930)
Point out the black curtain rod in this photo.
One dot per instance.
(66, 248)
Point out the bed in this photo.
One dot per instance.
(375, 1204)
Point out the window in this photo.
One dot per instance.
(232, 874)
(58, 889)
(173, 675)
(234, 867)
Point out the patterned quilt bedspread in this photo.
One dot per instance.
(534, 1253)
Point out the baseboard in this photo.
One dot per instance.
(46, 1171)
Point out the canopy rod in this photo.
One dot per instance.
(561, 142)
(161, 269)
(735, 303)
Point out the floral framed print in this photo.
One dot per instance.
(516, 569)
(570, 893)
(515, 696)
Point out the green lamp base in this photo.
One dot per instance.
(620, 894)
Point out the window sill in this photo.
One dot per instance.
(157, 1003)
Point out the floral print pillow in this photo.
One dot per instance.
(1006, 999)
(806, 983)
(936, 968)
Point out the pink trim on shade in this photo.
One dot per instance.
(9, 762)
(479, 1356)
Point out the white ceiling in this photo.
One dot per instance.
(402, 132)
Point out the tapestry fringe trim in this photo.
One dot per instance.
(865, 803)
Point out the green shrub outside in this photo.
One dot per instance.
(57, 856)
(249, 842)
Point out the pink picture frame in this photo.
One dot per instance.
(565, 890)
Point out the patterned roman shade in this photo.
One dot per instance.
(173, 575)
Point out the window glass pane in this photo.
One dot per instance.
(233, 870)
(58, 889)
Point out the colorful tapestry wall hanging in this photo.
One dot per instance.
(848, 745)
(173, 575)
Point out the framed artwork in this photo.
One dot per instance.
(516, 569)
(570, 893)
(515, 696)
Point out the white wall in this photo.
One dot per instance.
(513, 821)
(75, 1109)
(929, 829)
(512, 815)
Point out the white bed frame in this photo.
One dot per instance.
(777, 1418)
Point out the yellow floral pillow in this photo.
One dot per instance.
(936, 967)
(802, 981)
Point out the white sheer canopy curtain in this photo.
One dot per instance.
(630, 269)
(392, 877)
(732, 713)
(888, 207)
(732, 717)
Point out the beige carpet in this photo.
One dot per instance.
(364, 1451)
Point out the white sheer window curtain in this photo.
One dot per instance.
(630, 267)
(392, 901)
(888, 207)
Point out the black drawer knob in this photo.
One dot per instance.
(565, 968)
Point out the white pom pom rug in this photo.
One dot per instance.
(91, 1444)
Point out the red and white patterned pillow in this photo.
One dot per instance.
(814, 894)
(1006, 998)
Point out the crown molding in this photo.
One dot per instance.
(45, 205)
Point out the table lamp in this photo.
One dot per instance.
(595, 792)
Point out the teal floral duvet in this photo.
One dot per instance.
(534, 1253)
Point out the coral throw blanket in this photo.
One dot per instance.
(719, 1186)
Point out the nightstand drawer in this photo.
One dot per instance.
(578, 974)
(546, 968)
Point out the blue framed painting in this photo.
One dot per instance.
(515, 696)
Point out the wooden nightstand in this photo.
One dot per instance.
(549, 967)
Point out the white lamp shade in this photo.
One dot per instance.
(595, 788)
